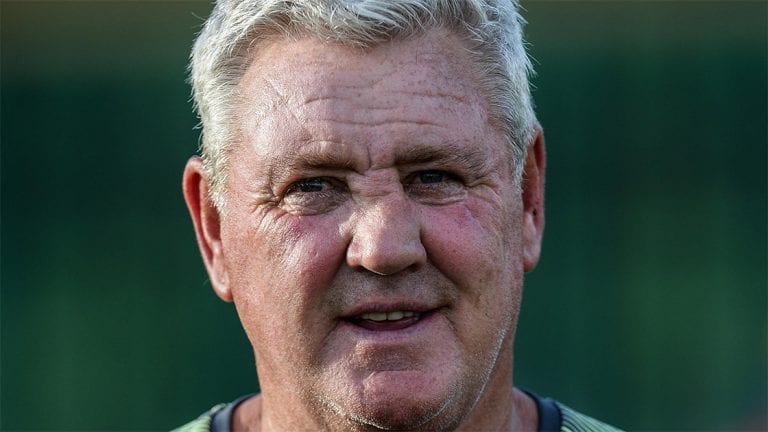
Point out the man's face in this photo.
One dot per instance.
(372, 241)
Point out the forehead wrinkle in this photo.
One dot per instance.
(284, 100)
(385, 122)
(331, 94)
(435, 94)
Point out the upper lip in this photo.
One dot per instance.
(387, 306)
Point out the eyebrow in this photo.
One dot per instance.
(311, 158)
(468, 156)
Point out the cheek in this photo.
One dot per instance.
(280, 267)
(463, 235)
(285, 256)
(478, 247)
(310, 252)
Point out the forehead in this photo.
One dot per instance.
(306, 90)
(436, 59)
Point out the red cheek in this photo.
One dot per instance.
(313, 249)
(453, 237)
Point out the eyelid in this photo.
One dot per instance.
(292, 185)
(330, 195)
(448, 173)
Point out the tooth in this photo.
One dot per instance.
(375, 316)
(388, 316)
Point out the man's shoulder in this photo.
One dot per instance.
(570, 420)
(216, 419)
(202, 423)
(574, 421)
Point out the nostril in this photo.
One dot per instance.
(386, 265)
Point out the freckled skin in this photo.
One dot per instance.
(360, 178)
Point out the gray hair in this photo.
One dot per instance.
(492, 30)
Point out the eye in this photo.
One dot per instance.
(435, 187)
(314, 195)
(308, 185)
(430, 177)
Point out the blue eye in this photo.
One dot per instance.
(314, 195)
(428, 177)
(309, 185)
(435, 187)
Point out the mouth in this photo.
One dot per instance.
(388, 318)
(387, 321)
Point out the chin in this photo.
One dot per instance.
(402, 418)
(406, 410)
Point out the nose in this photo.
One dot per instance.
(386, 237)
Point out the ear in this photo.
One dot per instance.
(206, 219)
(533, 200)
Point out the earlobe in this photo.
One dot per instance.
(207, 222)
(533, 200)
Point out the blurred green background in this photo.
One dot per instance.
(648, 308)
